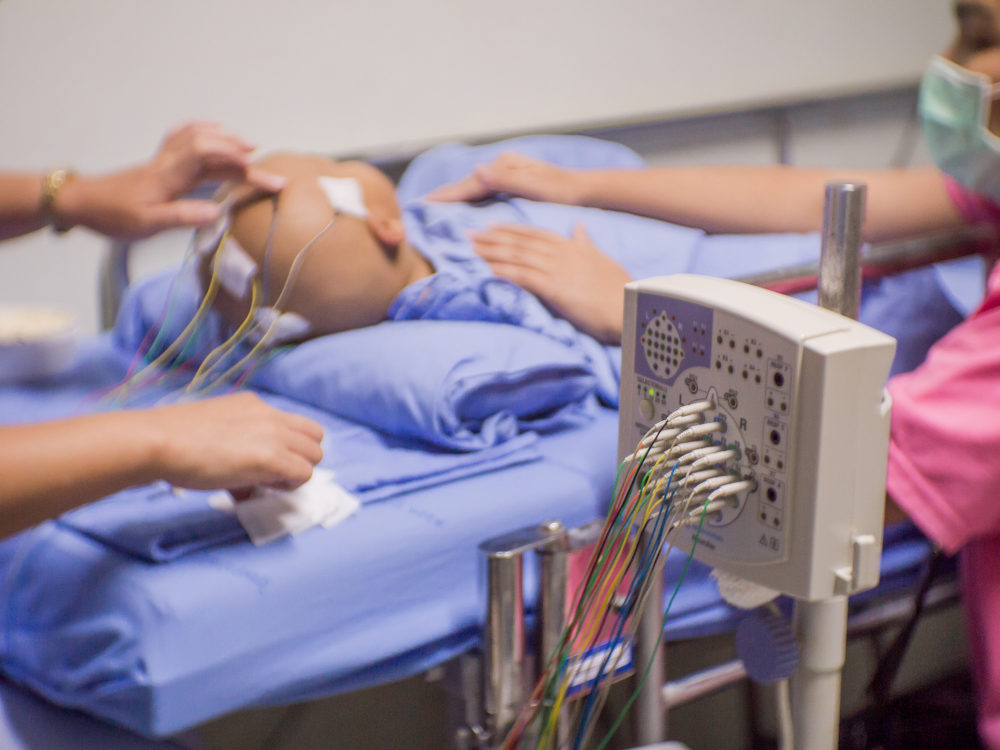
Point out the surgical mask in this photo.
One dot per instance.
(954, 111)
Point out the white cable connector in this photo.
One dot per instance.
(687, 414)
(696, 451)
(698, 430)
(664, 436)
(712, 483)
(714, 458)
(695, 407)
(720, 499)
(693, 478)
(677, 450)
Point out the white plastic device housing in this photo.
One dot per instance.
(800, 390)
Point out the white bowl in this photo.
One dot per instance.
(35, 343)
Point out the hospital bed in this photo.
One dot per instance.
(148, 635)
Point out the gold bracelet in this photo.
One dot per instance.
(51, 185)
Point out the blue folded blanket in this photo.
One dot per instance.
(159, 524)
(155, 522)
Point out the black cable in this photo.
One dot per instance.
(880, 687)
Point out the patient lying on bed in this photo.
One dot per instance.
(407, 258)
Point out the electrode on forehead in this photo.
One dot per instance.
(207, 238)
(235, 268)
(279, 326)
(345, 195)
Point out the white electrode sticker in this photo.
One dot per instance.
(345, 195)
(235, 268)
(279, 327)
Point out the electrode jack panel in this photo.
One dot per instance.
(799, 392)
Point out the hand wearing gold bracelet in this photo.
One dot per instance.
(139, 201)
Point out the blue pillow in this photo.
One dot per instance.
(463, 385)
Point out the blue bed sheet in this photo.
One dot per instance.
(388, 593)
(160, 647)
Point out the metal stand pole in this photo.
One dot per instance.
(553, 558)
(506, 675)
(821, 627)
(503, 641)
(821, 630)
(650, 711)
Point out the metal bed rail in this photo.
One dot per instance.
(880, 259)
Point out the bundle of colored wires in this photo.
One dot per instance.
(661, 478)
(217, 367)
(206, 380)
(157, 362)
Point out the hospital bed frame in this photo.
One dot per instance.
(494, 683)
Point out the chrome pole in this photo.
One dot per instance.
(503, 641)
(650, 711)
(821, 626)
(553, 567)
(553, 559)
(840, 248)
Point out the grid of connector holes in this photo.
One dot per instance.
(662, 344)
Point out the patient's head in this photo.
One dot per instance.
(350, 275)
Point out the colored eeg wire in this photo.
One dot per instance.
(604, 606)
(123, 388)
(635, 596)
(259, 294)
(285, 289)
(535, 701)
(570, 637)
(669, 462)
(638, 595)
(649, 665)
(226, 346)
(638, 592)
(619, 523)
(266, 336)
(732, 488)
(145, 347)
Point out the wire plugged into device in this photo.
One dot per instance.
(790, 482)
(673, 466)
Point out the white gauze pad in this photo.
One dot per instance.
(269, 514)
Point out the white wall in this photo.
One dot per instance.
(94, 84)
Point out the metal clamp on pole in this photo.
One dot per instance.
(506, 673)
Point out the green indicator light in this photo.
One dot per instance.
(652, 392)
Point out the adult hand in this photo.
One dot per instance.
(141, 201)
(234, 441)
(514, 174)
(569, 274)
